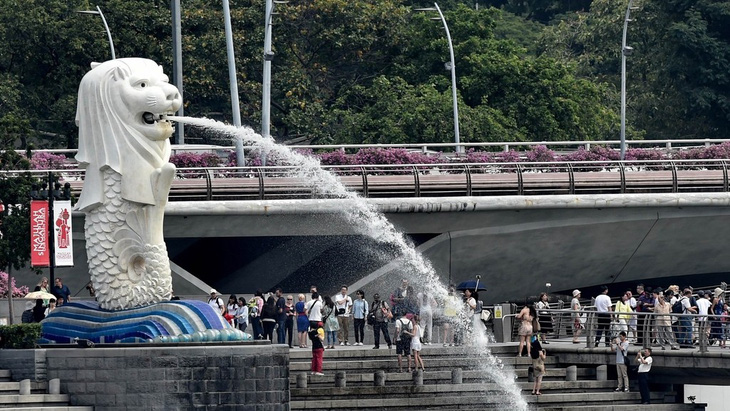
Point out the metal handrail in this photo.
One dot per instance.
(703, 322)
(479, 179)
(424, 147)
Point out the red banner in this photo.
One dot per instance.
(40, 255)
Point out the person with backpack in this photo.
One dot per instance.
(216, 302)
(685, 321)
(382, 315)
(404, 332)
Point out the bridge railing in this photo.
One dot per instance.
(428, 147)
(643, 328)
(442, 180)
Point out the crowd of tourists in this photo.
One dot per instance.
(58, 295)
(676, 318)
(324, 322)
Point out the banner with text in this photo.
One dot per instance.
(63, 242)
(39, 254)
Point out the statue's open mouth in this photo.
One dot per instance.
(150, 118)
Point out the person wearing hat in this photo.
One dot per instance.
(215, 301)
(718, 308)
(27, 316)
(576, 316)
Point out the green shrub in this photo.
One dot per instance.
(20, 335)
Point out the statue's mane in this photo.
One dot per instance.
(106, 140)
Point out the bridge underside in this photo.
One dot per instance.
(517, 245)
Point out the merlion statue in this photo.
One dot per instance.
(124, 147)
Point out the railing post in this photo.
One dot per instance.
(520, 182)
(467, 171)
(675, 178)
(416, 181)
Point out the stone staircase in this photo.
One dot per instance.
(452, 380)
(32, 396)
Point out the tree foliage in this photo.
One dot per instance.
(373, 70)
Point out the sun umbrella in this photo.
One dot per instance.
(471, 285)
(40, 295)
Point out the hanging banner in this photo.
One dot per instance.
(63, 242)
(39, 253)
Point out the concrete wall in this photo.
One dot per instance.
(222, 377)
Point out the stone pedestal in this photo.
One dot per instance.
(379, 378)
(571, 373)
(247, 376)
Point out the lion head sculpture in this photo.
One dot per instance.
(121, 115)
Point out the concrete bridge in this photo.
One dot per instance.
(516, 243)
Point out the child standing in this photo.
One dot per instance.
(416, 342)
(316, 334)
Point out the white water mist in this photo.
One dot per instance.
(367, 220)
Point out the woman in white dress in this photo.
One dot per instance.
(416, 342)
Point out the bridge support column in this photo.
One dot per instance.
(457, 376)
(340, 379)
(571, 373)
(602, 372)
(379, 378)
(302, 380)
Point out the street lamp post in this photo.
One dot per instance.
(177, 65)
(625, 51)
(452, 68)
(233, 82)
(106, 26)
(268, 57)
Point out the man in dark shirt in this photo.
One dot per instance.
(280, 316)
(644, 304)
(61, 291)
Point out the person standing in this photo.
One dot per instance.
(603, 316)
(316, 334)
(644, 304)
(426, 305)
(314, 310)
(538, 356)
(416, 343)
(242, 314)
(643, 357)
(302, 321)
(43, 286)
(231, 309)
(404, 333)
(398, 299)
(360, 311)
(525, 317)
(280, 316)
(663, 321)
(621, 347)
(289, 323)
(545, 319)
(623, 307)
(451, 310)
(214, 301)
(685, 321)
(61, 291)
(576, 316)
(343, 305)
(329, 318)
(382, 316)
(268, 318)
(717, 309)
